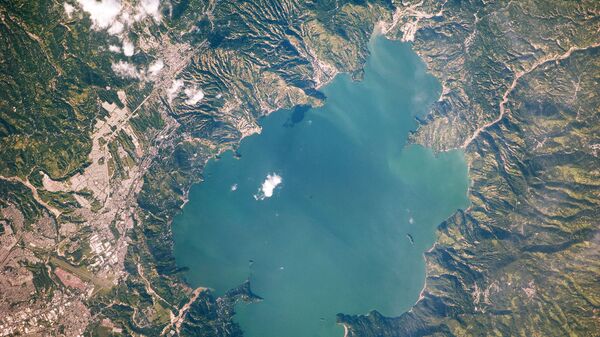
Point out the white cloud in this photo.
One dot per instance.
(148, 8)
(194, 95)
(68, 9)
(174, 89)
(126, 69)
(116, 28)
(126, 18)
(114, 49)
(156, 67)
(128, 48)
(268, 186)
(103, 13)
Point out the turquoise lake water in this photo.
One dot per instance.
(333, 236)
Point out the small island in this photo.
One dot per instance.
(410, 238)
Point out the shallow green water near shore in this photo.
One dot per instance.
(333, 235)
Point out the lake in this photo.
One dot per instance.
(321, 209)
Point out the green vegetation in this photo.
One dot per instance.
(63, 201)
(518, 262)
(41, 280)
(149, 121)
(12, 193)
(52, 75)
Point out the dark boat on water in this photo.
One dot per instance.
(410, 238)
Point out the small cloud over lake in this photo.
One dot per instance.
(268, 186)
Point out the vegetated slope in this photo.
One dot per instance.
(105, 126)
(521, 97)
(110, 110)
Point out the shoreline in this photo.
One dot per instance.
(380, 29)
(346, 330)
(421, 293)
(377, 33)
